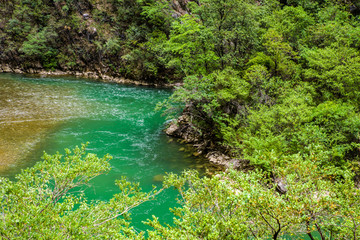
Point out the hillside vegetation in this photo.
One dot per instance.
(87, 35)
(277, 82)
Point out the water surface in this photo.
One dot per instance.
(51, 114)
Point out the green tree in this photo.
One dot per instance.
(40, 46)
(333, 72)
(334, 27)
(238, 205)
(191, 48)
(47, 201)
(292, 23)
(235, 27)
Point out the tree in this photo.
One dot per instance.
(235, 28)
(40, 46)
(299, 197)
(292, 23)
(238, 205)
(190, 47)
(333, 72)
(47, 201)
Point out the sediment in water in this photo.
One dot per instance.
(28, 112)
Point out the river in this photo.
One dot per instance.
(52, 113)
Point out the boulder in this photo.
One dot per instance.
(173, 129)
(218, 158)
(183, 128)
(234, 163)
(281, 185)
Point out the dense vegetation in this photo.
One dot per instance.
(272, 82)
(276, 81)
(80, 35)
(47, 202)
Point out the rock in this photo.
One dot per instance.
(281, 185)
(218, 158)
(175, 15)
(234, 163)
(183, 128)
(172, 129)
(196, 154)
(180, 6)
(93, 30)
(5, 68)
(86, 16)
(223, 160)
(191, 136)
(18, 71)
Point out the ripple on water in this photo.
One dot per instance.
(39, 114)
(28, 112)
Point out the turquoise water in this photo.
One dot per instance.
(50, 114)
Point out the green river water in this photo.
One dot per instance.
(49, 114)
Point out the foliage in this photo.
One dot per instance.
(191, 48)
(266, 108)
(237, 205)
(47, 201)
(333, 70)
(39, 46)
(277, 82)
(293, 23)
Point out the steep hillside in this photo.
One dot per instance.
(105, 37)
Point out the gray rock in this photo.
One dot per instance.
(218, 158)
(172, 129)
(234, 163)
(281, 185)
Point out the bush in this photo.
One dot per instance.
(47, 201)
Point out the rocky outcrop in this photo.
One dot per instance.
(218, 158)
(184, 129)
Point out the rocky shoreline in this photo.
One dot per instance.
(83, 74)
(183, 128)
(180, 128)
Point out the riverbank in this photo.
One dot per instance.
(204, 145)
(103, 77)
(180, 128)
